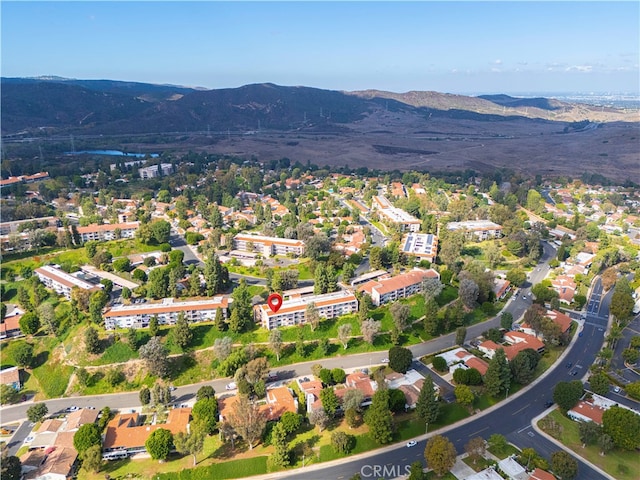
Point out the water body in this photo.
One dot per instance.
(113, 153)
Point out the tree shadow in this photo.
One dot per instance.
(40, 359)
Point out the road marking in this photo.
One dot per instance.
(485, 428)
(523, 429)
(518, 411)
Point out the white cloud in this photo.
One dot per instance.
(579, 68)
(497, 62)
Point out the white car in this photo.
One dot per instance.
(616, 389)
(384, 360)
(231, 386)
(412, 443)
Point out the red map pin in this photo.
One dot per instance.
(275, 302)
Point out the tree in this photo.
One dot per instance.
(47, 317)
(290, 422)
(248, 420)
(564, 465)
(330, 401)
(400, 314)
(623, 426)
(159, 444)
(87, 436)
(498, 442)
(370, 328)
(312, 316)
(205, 411)
(281, 456)
(468, 292)
(352, 400)
(589, 432)
(275, 342)
(630, 355)
(145, 395)
(160, 231)
(338, 375)
(91, 340)
(567, 394)
(416, 472)
(431, 288)
(461, 335)
(516, 276)
(400, 359)
(222, 348)
(29, 323)
(154, 353)
(7, 394)
(122, 265)
(464, 395)
(11, 467)
(206, 391)
(476, 448)
(37, 412)
(523, 366)
(319, 418)
(344, 332)
(622, 301)
(342, 442)
(506, 320)
(428, 406)
(440, 454)
(182, 334)
(440, 364)
(378, 418)
(23, 354)
(397, 400)
(599, 383)
(605, 442)
(498, 376)
(431, 321)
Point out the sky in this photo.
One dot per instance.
(454, 47)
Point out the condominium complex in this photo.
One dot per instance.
(394, 215)
(423, 246)
(481, 229)
(389, 289)
(109, 231)
(154, 171)
(139, 315)
(62, 282)
(267, 246)
(293, 310)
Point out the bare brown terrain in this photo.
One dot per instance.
(398, 140)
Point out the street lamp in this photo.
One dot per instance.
(506, 394)
(427, 428)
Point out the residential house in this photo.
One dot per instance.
(563, 321)
(517, 341)
(53, 463)
(10, 327)
(311, 390)
(293, 310)
(512, 469)
(168, 311)
(358, 381)
(566, 288)
(501, 287)
(11, 376)
(384, 290)
(539, 474)
(124, 432)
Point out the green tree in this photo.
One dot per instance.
(145, 395)
(344, 332)
(92, 459)
(330, 401)
(290, 422)
(461, 335)
(11, 467)
(205, 411)
(275, 342)
(630, 355)
(91, 340)
(29, 323)
(440, 454)
(206, 391)
(564, 465)
(400, 314)
(622, 300)
(605, 442)
(159, 444)
(7, 394)
(506, 320)
(498, 376)
(416, 471)
(623, 426)
(23, 354)
(154, 353)
(342, 442)
(599, 383)
(428, 406)
(567, 394)
(400, 359)
(248, 420)
(191, 443)
(87, 436)
(182, 334)
(378, 418)
(589, 432)
(523, 366)
(516, 276)
(464, 395)
(281, 455)
(440, 364)
(338, 375)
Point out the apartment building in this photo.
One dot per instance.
(293, 310)
(62, 282)
(109, 231)
(154, 171)
(423, 246)
(139, 315)
(389, 289)
(480, 229)
(394, 215)
(267, 246)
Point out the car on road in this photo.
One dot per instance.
(384, 360)
(524, 297)
(548, 403)
(231, 386)
(72, 408)
(412, 443)
(569, 365)
(574, 373)
(616, 389)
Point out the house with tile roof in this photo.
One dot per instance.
(387, 289)
(11, 376)
(539, 474)
(566, 288)
(55, 463)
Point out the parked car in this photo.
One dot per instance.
(384, 360)
(548, 403)
(412, 443)
(231, 386)
(616, 389)
(569, 365)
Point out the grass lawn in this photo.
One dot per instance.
(229, 469)
(481, 463)
(447, 476)
(620, 464)
(503, 453)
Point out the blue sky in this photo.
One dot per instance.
(455, 47)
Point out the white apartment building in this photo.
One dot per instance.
(139, 315)
(108, 231)
(62, 282)
(293, 310)
(389, 289)
(423, 246)
(395, 215)
(267, 246)
(481, 229)
(153, 171)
